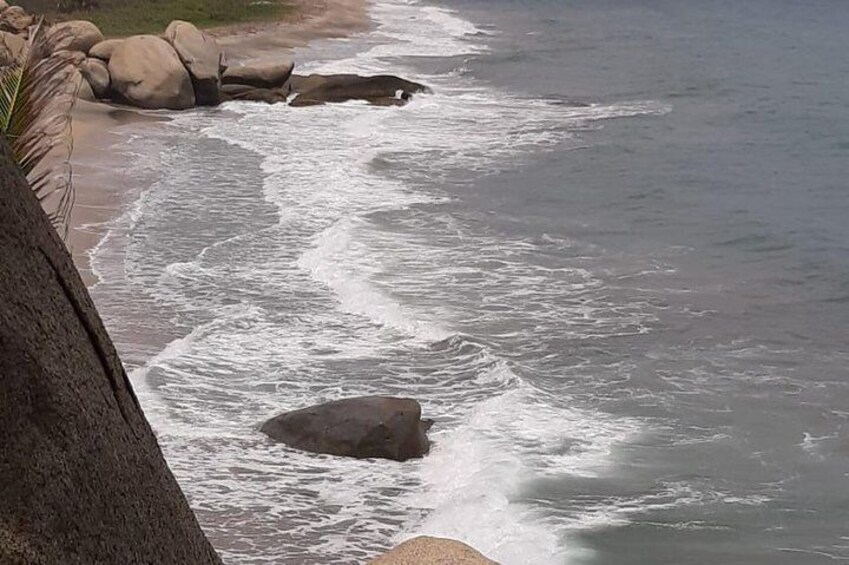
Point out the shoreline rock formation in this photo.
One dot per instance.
(364, 427)
(186, 67)
(82, 477)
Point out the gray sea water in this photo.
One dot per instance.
(608, 254)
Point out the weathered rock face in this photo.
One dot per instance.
(260, 75)
(202, 57)
(104, 49)
(82, 479)
(77, 35)
(425, 550)
(11, 47)
(382, 89)
(370, 426)
(97, 75)
(146, 72)
(14, 19)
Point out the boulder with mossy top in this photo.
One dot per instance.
(146, 71)
(202, 58)
(364, 427)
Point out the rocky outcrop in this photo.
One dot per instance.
(104, 49)
(146, 72)
(201, 56)
(77, 35)
(11, 46)
(260, 75)
(384, 90)
(426, 550)
(97, 75)
(365, 427)
(82, 479)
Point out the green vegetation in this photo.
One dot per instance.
(117, 18)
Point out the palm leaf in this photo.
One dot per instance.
(37, 94)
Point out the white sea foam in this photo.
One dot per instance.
(361, 285)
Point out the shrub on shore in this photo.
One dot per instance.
(129, 17)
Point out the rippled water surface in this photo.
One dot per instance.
(608, 255)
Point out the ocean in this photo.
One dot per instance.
(609, 255)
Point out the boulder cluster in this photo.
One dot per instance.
(185, 67)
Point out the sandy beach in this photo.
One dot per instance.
(100, 181)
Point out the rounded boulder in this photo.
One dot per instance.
(76, 35)
(104, 49)
(427, 550)
(202, 58)
(96, 73)
(147, 72)
(260, 75)
(364, 427)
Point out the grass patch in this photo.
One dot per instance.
(118, 18)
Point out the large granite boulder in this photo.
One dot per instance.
(82, 478)
(201, 56)
(14, 19)
(147, 72)
(384, 90)
(11, 47)
(96, 74)
(426, 550)
(76, 35)
(260, 75)
(104, 49)
(364, 427)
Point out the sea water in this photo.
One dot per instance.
(608, 254)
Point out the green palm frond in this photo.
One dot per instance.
(37, 94)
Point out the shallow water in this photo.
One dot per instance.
(608, 255)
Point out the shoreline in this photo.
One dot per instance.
(100, 182)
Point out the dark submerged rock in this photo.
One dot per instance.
(385, 90)
(251, 93)
(364, 427)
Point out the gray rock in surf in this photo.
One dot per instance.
(364, 427)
